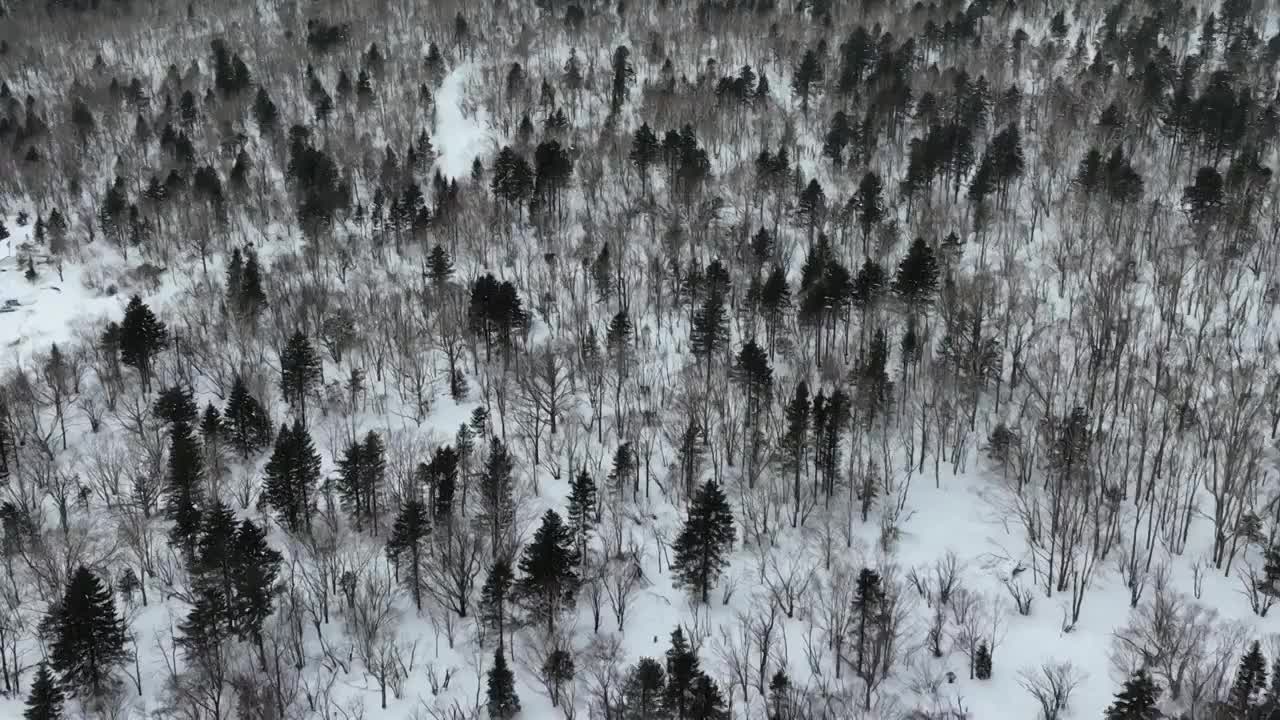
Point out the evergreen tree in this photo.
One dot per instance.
(45, 700)
(497, 503)
(439, 266)
(710, 332)
(624, 76)
(502, 701)
(982, 662)
(645, 151)
(184, 476)
(141, 337)
(444, 480)
(917, 279)
(1137, 700)
(794, 441)
(779, 697)
(300, 372)
(811, 206)
(548, 583)
(706, 700)
(557, 671)
(643, 689)
(246, 423)
(870, 205)
(581, 512)
(407, 545)
(868, 599)
(251, 300)
(255, 568)
(704, 541)
(495, 596)
(291, 477)
(89, 636)
(361, 472)
(1251, 682)
(808, 74)
(683, 671)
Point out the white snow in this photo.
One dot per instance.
(461, 125)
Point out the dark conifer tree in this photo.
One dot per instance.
(46, 700)
(1136, 700)
(624, 76)
(361, 472)
(407, 546)
(794, 441)
(581, 513)
(495, 598)
(704, 542)
(184, 476)
(251, 299)
(247, 426)
(141, 337)
(497, 501)
(291, 477)
(557, 671)
(300, 372)
(645, 151)
(917, 279)
(643, 689)
(982, 662)
(89, 636)
(501, 699)
(868, 598)
(444, 480)
(683, 671)
(870, 206)
(808, 75)
(1246, 694)
(811, 207)
(548, 583)
(439, 266)
(706, 701)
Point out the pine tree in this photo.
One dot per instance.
(246, 423)
(642, 690)
(141, 337)
(706, 701)
(794, 441)
(710, 332)
(444, 480)
(870, 205)
(502, 701)
(1137, 700)
(361, 472)
(917, 279)
(867, 601)
(495, 597)
(982, 662)
(235, 275)
(548, 583)
(439, 266)
(808, 74)
(300, 372)
(45, 700)
(255, 568)
(557, 671)
(407, 545)
(291, 477)
(1250, 683)
(89, 636)
(581, 512)
(779, 697)
(251, 300)
(497, 502)
(683, 671)
(704, 541)
(184, 475)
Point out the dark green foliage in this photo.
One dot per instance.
(557, 670)
(361, 473)
(501, 699)
(868, 599)
(443, 476)
(808, 75)
(917, 279)
(89, 636)
(439, 265)
(701, 550)
(548, 583)
(1136, 700)
(1246, 695)
(247, 426)
(407, 545)
(300, 372)
(1203, 200)
(291, 477)
(643, 689)
(45, 701)
(496, 514)
(624, 76)
(982, 662)
(496, 313)
(495, 597)
(141, 337)
(581, 513)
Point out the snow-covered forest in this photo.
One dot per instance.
(639, 360)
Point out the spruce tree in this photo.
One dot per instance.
(501, 699)
(982, 662)
(548, 583)
(361, 472)
(497, 502)
(255, 568)
(494, 598)
(407, 545)
(45, 701)
(581, 512)
(300, 372)
(868, 598)
(439, 266)
(443, 471)
(683, 671)
(251, 299)
(1250, 683)
(706, 702)
(291, 477)
(141, 337)
(1136, 700)
(247, 425)
(704, 542)
(917, 279)
(89, 636)
(643, 689)
(808, 74)
(557, 671)
(794, 441)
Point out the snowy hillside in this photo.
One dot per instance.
(670, 361)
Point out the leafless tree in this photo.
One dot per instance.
(1051, 685)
